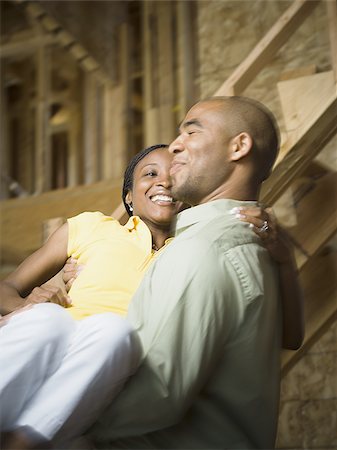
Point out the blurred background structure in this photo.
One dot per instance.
(87, 84)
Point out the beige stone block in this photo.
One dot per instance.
(319, 422)
(290, 385)
(318, 376)
(327, 343)
(289, 434)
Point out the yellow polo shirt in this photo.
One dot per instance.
(114, 257)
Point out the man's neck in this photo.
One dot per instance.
(242, 193)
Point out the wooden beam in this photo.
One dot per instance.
(116, 116)
(316, 219)
(319, 282)
(150, 86)
(42, 155)
(186, 51)
(300, 96)
(55, 31)
(315, 133)
(28, 46)
(167, 125)
(21, 219)
(90, 128)
(265, 50)
(332, 20)
(73, 147)
(120, 214)
(4, 141)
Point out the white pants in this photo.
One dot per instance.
(57, 374)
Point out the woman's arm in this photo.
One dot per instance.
(280, 247)
(17, 289)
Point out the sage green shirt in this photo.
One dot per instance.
(208, 316)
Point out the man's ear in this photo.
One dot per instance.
(240, 146)
(128, 198)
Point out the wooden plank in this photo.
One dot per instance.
(42, 155)
(90, 128)
(125, 70)
(302, 95)
(315, 133)
(265, 50)
(4, 141)
(13, 49)
(317, 219)
(319, 282)
(109, 139)
(298, 72)
(50, 226)
(21, 219)
(25, 160)
(73, 147)
(116, 116)
(120, 213)
(187, 89)
(117, 158)
(151, 115)
(167, 126)
(332, 20)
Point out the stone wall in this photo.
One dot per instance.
(308, 410)
(227, 32)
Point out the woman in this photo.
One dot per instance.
(115, 259)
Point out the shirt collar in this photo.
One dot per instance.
(132, 223)
(207, 212)
(136, 223)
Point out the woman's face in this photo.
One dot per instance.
(151, 193)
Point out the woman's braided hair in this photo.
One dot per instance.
(128, 175)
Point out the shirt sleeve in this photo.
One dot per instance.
(79, 228)
(184, 312)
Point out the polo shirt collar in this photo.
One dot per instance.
(207, 212)
(132, 223)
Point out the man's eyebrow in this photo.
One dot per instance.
(189, 123)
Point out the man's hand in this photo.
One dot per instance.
(47, 294)
(70, 272)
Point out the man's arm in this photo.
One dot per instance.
(183, 315)
(16, 290)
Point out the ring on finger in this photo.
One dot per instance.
(264, 228)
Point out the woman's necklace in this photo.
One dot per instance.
(154, 247)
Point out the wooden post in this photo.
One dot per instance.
(26, 151)
(90, 129)
(150, 82)
(4, 163)
(167, 126)
(332, 19)
(42, 156)
(73, 147)
(186, 92)
(117, 120)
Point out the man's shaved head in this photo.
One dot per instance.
(242, 114)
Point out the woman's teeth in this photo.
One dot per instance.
(162, 198)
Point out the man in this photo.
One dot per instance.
(207, 312)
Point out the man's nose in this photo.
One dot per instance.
(176, 146)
